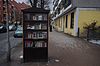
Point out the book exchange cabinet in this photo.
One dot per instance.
(35, 34)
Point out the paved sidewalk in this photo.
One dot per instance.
(4, 47)
(64, 50)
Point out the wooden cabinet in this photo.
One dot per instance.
(35, 37)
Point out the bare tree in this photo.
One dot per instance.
(30, 2)
(45, 3)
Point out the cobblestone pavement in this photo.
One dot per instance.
(64, 50)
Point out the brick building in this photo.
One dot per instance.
(14, 10)
(1, 10)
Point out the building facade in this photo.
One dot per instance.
(1, 10)
(14, 11)
(70, 16)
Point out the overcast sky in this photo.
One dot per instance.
(21, 0)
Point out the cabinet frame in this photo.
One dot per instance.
(33, 53)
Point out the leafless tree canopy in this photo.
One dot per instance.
(38, 3)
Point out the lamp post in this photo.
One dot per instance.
(8, 40)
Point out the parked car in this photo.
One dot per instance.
(18, 33)
(12, 27)
(3, 29)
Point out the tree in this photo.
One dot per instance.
(91, 26)
(44, 2)
(92, 30)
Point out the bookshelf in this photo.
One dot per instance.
(35, 34)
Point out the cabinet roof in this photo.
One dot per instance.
(35, 10)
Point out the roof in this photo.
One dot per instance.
(86, 3)
(19, 6)
(36, 10)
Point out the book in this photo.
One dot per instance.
(43, 26)
(28, 43)
(39, 17)
(34, 18)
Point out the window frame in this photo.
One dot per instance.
(66, 21)
(72, 20)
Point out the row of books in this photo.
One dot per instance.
(37, 26)
(35, 17)
(37, 35)
(35, 44)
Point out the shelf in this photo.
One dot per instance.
(36, 30)
(35, 47)
(43, 39)
(35, 21)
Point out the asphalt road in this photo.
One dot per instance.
(4, 44)
(3, 36)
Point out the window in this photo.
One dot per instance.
(59, 22)
(72, 20)
(69, 2)
(66, 3)
(66, 20)
(58, 10)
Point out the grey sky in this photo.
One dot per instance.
(21, 0)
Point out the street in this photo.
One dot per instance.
(3, 42)
(3, 36)
(64, 50)
(53, 32)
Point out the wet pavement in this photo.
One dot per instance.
(64, 50)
